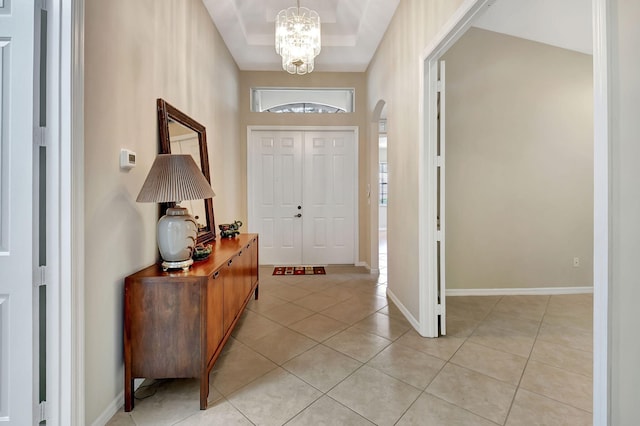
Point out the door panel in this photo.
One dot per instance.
(319, 232)
(339, 224)
(17, 382)
(330, 164)
(267, 233)
(276, 194)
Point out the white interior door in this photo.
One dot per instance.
(302, 191)
(275, 195)
(329, 198)
(17, 295)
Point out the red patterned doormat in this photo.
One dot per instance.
(299, 270)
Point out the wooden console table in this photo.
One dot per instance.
(176, 323)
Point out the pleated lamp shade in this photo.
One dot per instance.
(174, 178)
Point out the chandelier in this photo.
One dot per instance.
(298, 38)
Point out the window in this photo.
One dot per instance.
(306, 108)
(383, 184)
(302, 100)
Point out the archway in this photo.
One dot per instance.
(377, 116)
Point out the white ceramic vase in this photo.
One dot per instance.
(177, 234)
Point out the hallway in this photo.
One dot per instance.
(382, 255)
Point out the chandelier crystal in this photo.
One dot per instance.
(298, 38)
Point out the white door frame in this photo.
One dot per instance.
(427, 171)
(354, 129)
(65, 213)
(601, 216)
(450, 33)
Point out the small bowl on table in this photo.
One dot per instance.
(201, 252)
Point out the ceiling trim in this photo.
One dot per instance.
(351, 31)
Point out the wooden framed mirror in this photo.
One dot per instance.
(181, 134)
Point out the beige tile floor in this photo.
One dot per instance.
(333, 350)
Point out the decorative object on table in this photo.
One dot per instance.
(298, 38)
(299, 270)
(174, 178)
(201, 252)
(230, 230)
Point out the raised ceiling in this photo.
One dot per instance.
(352, 29)
(561, 23)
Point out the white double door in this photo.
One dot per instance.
(302, 196)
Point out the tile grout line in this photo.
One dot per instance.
(527, 362)
(307, 350)
(260, 317)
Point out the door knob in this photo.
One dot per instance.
(298, 215)
(299, 207)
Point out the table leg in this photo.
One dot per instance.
(204, 390)
(128, 391)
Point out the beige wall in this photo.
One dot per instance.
(625, 211)
(393, 76)
(136, 52)
(249, 79)
(388, 80)
(519, 164)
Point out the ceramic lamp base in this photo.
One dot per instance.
(183, 264)
(177, 234)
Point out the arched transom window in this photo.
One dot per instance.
(302, 100)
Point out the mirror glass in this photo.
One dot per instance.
(180, 134)
(185, 141)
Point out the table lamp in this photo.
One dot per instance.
(175, 178)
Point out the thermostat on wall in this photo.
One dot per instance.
(127, 159)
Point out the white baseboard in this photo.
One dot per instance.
(414, 322)
(110, 411)
(114, 406)
(533, 291)
(363, 264)
(368, 268)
